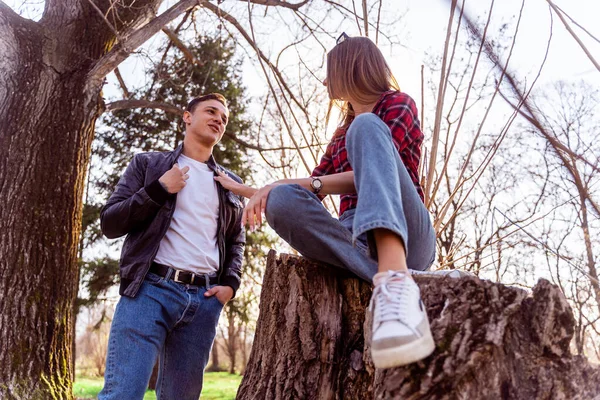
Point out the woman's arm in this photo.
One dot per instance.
(341, 183)
(332, 184)
(238, 188)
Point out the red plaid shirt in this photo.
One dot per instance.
(399, 112)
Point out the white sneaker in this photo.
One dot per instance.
(401, 333)
(442, 273)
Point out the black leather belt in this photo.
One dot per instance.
(180, 276)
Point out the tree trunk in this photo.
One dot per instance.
(214, 357)
(244, 347)
(44, 151)
(493, 341)
(154, 376)
(231, 341)
(48, 108)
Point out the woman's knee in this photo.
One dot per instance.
(281, 202)
(363, 127)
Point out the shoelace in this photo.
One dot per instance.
(391, 297)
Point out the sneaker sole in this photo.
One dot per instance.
(454, 274)
(405, 354)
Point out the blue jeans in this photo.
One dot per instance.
(169, 320)
(387, 199)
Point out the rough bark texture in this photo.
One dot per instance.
(48, 107)
(493, 341)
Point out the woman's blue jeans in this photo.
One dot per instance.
(168, 320)
(387, 199)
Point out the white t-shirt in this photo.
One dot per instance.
(191, 241)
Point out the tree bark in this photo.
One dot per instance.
(231, 341)
(154, 376)
(493, 341)
(48, 108)
(214, 359)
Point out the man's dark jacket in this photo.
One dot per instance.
(142, 209)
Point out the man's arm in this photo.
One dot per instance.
(132, 203)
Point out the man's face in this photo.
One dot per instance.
(207, 122)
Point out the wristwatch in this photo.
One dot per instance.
(316, 184)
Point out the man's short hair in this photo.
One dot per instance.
(211, 96)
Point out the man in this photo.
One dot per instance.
(180, 263)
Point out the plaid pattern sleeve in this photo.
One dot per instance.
(325, 167)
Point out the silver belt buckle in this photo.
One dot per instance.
(176, 277)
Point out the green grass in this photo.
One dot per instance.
(217, 386)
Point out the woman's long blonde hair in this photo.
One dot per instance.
(356, 69)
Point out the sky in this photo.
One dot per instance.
(423, 29)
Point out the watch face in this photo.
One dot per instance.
(317, 183)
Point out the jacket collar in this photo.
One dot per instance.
(212, 164)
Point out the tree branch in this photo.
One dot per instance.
(123, 49)
(111, 26)
(12, 18)
(133, 103)
(126, 93)
(167, 48)
(231, 19)
(187, 53)
(278, 3)
(574, 35)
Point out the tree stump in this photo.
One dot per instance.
(493, 341)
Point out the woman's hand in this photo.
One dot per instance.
(238, 188)
(227, 182)
(256, 207)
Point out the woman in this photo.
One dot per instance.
(384, 228)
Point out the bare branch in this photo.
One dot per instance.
(126, 93)
(378, 21)
(366, 17)
(259, 148)
(465, 103)
(133, 103)
(231, 19)
(123, 49)
(111, 26)
(187, 53)
(585, 50)
(167, 48)
(10, 17)
(279, 78)
(293, 139)
(356, 17)
(278, 3)
(438, 113)
(577, 24)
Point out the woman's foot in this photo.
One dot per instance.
(401, 333)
